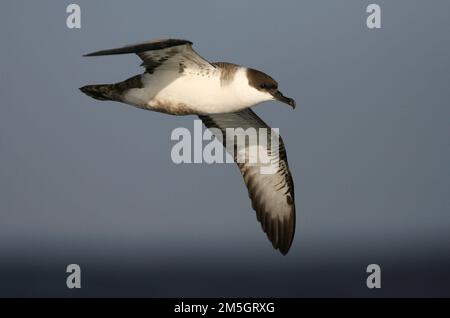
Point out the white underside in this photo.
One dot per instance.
(196, 93)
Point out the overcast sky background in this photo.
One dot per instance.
(92, 183)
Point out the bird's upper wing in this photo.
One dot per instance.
(168, 54)
(272, 195)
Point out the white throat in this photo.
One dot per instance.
(247, 94)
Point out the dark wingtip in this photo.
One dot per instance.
(280, 232)
(285, 245)
(284, 249)
(98, 53)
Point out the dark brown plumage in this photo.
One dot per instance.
(112, 91)
(272, 195)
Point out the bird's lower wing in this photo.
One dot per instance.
(271, 190)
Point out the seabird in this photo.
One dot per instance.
(178, 81)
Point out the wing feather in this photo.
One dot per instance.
(170, 54)
(272, 195)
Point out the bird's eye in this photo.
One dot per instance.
(263, 86)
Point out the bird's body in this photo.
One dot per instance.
(202, 92)
(178, 81)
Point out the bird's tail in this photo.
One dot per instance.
(101, 92)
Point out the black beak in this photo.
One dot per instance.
(280, 97)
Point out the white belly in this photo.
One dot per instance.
(168, 92)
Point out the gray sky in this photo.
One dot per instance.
(92, 183)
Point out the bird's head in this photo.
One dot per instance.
(266, 85)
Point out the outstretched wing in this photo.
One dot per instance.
(168, 54)
(272, 195)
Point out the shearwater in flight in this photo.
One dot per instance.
(178, 81)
